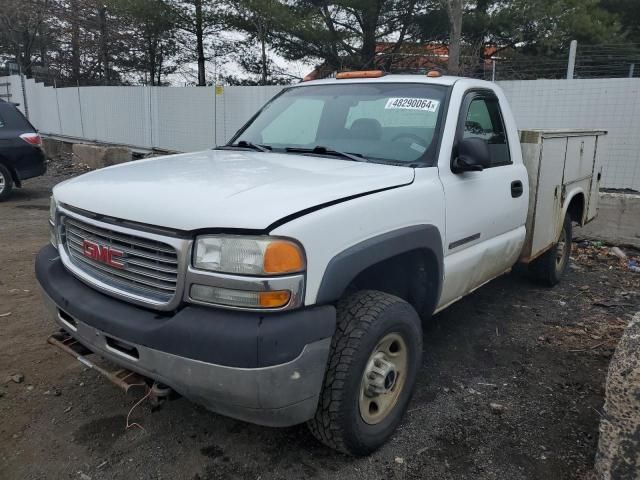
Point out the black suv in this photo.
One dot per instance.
(21, 154)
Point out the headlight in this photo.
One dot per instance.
(244, 255)
(52, 222)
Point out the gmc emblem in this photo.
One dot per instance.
(102, 253)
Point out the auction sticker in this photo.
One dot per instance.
(412, 103)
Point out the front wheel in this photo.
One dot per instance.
(373, 363)
(551, 265)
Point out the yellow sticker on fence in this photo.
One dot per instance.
(219, 89)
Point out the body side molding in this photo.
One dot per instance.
(462, 241)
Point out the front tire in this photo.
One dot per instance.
(373, 363)
(551, 265)
(6, 183)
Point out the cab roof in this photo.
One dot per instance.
(446, 80)
(389, 78)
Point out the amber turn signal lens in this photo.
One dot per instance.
(274, 299)
(283, 257)
(360, 74)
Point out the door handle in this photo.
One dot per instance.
(516, 189)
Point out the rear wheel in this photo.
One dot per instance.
(374, 359)
(6, 182)
(551, 265)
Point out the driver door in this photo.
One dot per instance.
(485, 210)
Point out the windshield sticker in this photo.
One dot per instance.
(417, 147)
(425, 104)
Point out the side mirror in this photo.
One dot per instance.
(473, 156)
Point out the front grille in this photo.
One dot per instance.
(149, 268)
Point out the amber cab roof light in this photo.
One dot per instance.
(434, 74)
(360, 74)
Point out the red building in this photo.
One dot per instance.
(413, 57)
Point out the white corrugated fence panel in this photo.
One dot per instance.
(116, 115)
(236, 105)
(41, 103)
(70, 120)
(611, 104)
(14, 89)
(183, 118)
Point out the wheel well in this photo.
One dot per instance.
(576, 208)
(413, 276)
(12, 171)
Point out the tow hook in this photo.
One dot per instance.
(160, 393)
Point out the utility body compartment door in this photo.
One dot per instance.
(548, 194)
(579, 160)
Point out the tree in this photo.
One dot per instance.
(75, 39)
(104, 44)
(628, 14)
(199, 20)
(454, 10)
(93, 42)
(525, 30)
(111, 42)
(152, 28)
(344, 33)
(22, 24)
(539, 26)
(258, 20)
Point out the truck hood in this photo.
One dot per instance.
(224, 188)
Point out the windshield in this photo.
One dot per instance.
(387, 122)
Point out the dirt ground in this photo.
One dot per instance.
(540, 354)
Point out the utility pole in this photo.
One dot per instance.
(632, 67)
(24, 94)
(572, 59)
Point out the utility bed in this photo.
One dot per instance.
(556, 159)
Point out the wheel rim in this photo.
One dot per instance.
(2, 182)
(383, 379)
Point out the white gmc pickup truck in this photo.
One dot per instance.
(282, 278)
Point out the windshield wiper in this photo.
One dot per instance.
(321, 150)
(252, 146)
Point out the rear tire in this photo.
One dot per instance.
(6, 183)
(373, 363)
(551, 265)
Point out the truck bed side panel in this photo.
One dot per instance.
(561, 164)
(594, 187)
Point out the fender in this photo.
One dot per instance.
(569, 198)
(348, 264)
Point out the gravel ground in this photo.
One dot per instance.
(539, 355)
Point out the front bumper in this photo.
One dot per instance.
(266, 369)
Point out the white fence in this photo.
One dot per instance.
(608, 104)
(170, 118)
(192, 118)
